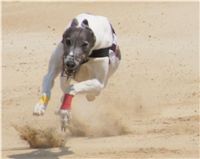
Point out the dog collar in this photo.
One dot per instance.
(100, 53)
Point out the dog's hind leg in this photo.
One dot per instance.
(114, 58)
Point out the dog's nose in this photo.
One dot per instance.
(70, 64)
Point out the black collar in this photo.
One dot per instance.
(100, 53)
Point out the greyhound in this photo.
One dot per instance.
(88, 54)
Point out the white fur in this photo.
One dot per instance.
(93, 75)
(101, 28)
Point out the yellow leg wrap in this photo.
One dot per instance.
(44, 100)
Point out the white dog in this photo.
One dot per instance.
(88, 54)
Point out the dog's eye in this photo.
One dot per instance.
(68, 41)
(85, 44)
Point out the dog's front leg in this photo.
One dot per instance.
(98, 69)
(65, 114)
(55, 66)
(92, 86)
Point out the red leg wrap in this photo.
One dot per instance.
(66, 104)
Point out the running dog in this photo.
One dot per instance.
(88, 54)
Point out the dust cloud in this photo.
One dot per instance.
(41, 138)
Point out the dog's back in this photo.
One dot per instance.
(100, 25)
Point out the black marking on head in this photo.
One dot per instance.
(85, 23)
(74, 22)
(79, 37)
(80, 41)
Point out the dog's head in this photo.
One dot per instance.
(78, 42)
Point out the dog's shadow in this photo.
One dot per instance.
(43, 153)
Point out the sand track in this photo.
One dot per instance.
(153, 96)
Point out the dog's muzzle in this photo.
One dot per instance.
(69, 69)
(69, 66)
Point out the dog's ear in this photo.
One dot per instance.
(85, 23)
(74, 23)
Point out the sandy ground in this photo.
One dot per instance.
(154, 94)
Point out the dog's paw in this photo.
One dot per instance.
(65, 118)
(39, 109)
